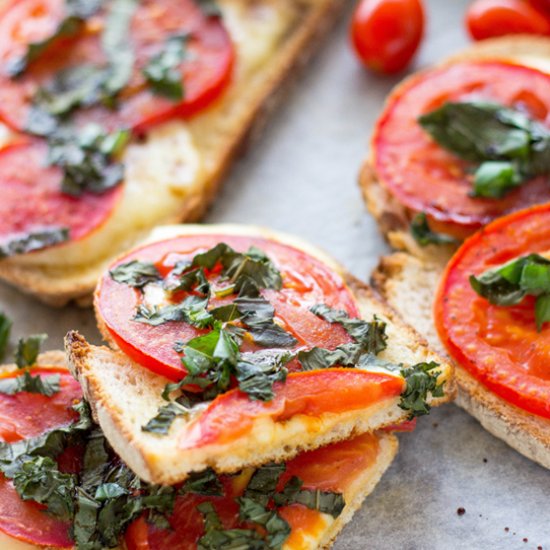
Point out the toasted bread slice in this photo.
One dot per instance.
(324, 534)
(124, 395)
(325, 530)
(394, 218)
(181, 164)
(409, 284)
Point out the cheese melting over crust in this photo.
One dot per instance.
(178, 158)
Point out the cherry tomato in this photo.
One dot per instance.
(490, 18)
(387, 33)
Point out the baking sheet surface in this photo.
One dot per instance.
(302, 179)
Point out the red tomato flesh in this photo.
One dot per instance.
(205, 71)
(423, 176)
(32, 199)
(500, 346)
(310, 393)
(331, 468)
(491, 18)
(25, 415)
(306, 282)
(387, 33)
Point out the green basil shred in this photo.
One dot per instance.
(509, 283)
(105, 497)
(505, 146)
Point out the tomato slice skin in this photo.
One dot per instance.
(499, 346)
(386, 33)
(436, 181)
(331, 468)
(26, 415)
(312, 393)
(491, 18)
(32, 199)
(306, 282)
(205, 73)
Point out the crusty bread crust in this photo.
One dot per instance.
(409, 284)
(106, 373)
(262, 97)
(394, 218)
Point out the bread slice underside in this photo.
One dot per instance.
(409, 284)
(393, 217)
(125, 396)
(174, 175)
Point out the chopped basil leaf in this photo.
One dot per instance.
(108, 491)
(495, 178)
(194, 279)
(238, 268)
(509, 146)
(210, 8)
(36, 240)
(257, 372)
(44, 385)
(5, 330)
(278, 530)
(370, 335)
(509, 283)
(424, 236)
(323, 501)
(161, 423)
(135, 273)
(40, 480)
(421, 382)
(86, 159)
(204, 483)
(192, 310)
(263, 483)
(346, 355)
(28, 349)
(163, 72)
(217, 538)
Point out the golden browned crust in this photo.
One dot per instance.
(403, 279)
(394, 218)
(57, 289)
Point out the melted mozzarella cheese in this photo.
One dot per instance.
(180, 157)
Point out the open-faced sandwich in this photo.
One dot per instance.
(461, 144)
(488, 309)
(231, 346)
(119, 115)
(63, 486)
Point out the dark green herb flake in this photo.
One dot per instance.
(509, 283)
(424, 236)
(28, 349)
(135, 273)
(36, 240)
(508, 146)
(5, 331)
(421, 382)
(163, 72)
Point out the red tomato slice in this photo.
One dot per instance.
(310, 393)
(26, 415)
(205, 72)
(426, 178)
(500, 346)
(32, 199)
(306, 282)
(331, 468)
(23, 23)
